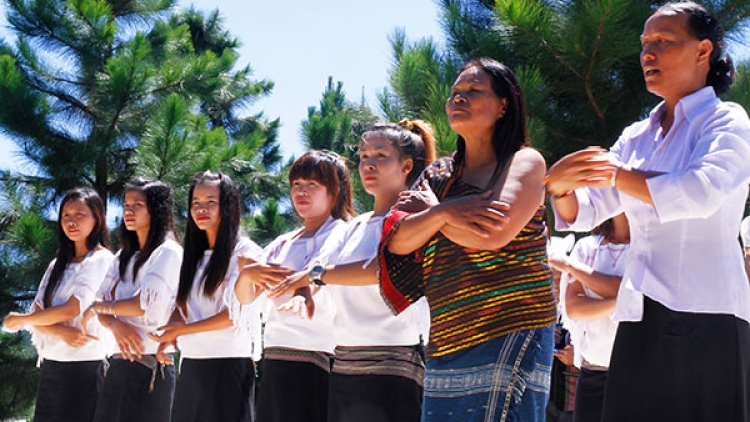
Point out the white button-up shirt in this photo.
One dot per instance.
(684, 251)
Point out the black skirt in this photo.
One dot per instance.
(293, 388)
(374, 398)
(215, 390)
(67, 391)
(589, 395)
(680, 367)
(133, 392)
(376, 384)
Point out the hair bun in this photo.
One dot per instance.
(406, 124)
(722, 74)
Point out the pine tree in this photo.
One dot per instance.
(86, 78)
(577, 62)
(27, 238)
(97, 91)
(337, 125)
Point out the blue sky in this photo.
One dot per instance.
(298, 44)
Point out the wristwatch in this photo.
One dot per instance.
(316, 275)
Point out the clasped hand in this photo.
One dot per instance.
(590, 167)
(262, 275)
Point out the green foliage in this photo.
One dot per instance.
(17, 363)
(337, 125)
(577, 62)
(269, 223)
(89, 78)
(740, 90)
(95, 92)
(27, 243)
(420, 80)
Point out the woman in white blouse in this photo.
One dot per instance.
(589, 284)
(378, 366)
(139, 294)
(681, 176)
(71, 354)
(297, 351)
(217, 374)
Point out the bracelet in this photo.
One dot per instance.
(112, 308)
(613, 179)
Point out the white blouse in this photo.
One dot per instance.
(362, 316)
(286, 329)
(593, 339)
(684, 251)
(82, 280)
(157, 283)
(230, 342)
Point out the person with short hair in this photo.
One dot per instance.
(297, 350)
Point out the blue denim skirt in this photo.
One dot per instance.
(505, 379)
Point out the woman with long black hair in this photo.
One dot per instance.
(70, 352)
(217, 372)
(139, 294)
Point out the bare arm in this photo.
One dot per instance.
(522, 190)
(128, 339)
(633, 183)
(43, 317)
(178, 328)
(255, 277)
(581, 307)
(604, 285)
(592, 167)
(487, 221)
(351, 274)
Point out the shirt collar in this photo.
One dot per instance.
(689, 106)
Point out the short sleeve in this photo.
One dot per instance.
(401, 276)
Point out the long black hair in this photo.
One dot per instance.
(160, 207)
(703, 24)
(510, 133)
(196, 240)
(99, 236)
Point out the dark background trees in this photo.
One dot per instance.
(94, 92)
